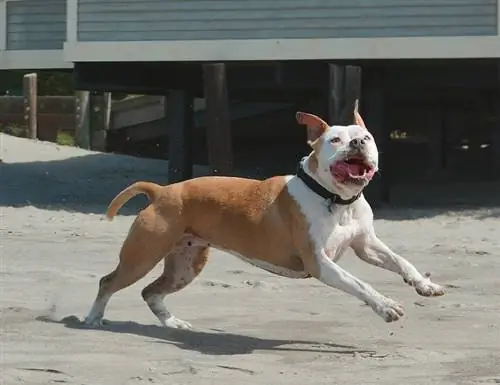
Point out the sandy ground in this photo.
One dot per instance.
(250, 327)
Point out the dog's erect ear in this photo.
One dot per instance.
(357, 117)
(315, 125)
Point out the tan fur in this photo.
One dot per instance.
(181, 268)
(315, 126)
(258, 221)
(255, 219)
(148, 188)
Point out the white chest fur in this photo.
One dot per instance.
(332, 231)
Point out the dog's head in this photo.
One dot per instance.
(344, 158)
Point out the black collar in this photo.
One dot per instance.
(330, 197)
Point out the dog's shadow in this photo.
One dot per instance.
(208, 342)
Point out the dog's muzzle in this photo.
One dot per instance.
(354, 168)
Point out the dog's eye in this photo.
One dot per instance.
(367, 137)
(335, 140)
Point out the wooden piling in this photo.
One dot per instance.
(219, 141)
(83, 120)
(344, 88)
(100, 120)
(180, 121)
(335, 93)
(352, 93)
(30, 104)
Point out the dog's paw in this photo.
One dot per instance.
(176, 323)
(426, 288)
(93, 322)
(389, 310)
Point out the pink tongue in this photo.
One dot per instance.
(346, 169)
(355, 169)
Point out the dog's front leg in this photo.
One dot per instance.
(371, 249)
(333, 275)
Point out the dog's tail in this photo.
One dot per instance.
(148, 188)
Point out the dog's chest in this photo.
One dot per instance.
(333, 231)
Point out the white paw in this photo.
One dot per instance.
(427, 288)
(94, 322)
(177, 323)
(389, 310)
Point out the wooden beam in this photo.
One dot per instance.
(83, 118)
(219, 141)
(179, 118)
(30, 104)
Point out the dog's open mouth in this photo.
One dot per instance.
(353, 169)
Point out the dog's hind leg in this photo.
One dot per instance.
(182, 266)
(150, 238)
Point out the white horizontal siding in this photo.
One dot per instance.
(153, 20)
(36, 25)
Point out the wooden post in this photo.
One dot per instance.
(372, 109)
(344, 88)
(335, 96)
(83, 118)
(30, 104)
(180, 121)
(220, 152)
(107, 102)
(100, 119)
(352, 92)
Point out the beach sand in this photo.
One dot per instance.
(250, 327)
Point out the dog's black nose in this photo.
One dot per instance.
(357, 143)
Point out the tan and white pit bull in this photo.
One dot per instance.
(297, 226)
